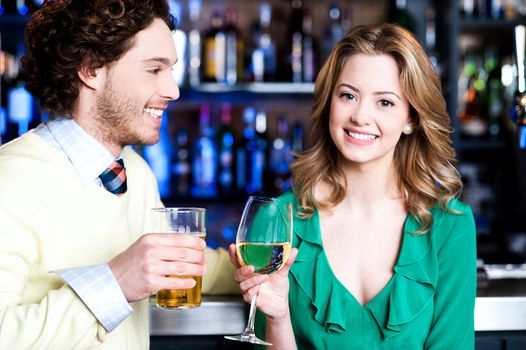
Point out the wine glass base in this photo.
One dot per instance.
(247, 339)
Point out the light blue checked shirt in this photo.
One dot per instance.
(95, 284)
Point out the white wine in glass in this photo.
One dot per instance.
(263, 240)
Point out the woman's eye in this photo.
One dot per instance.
(347, 96)
(386, 103)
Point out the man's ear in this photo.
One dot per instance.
(93, 78)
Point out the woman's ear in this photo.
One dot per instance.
(91, 77)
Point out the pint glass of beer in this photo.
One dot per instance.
(190, 221)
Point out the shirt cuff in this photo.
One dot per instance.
(98, 289)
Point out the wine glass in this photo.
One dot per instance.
(263, 240)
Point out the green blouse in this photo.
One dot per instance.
(427, 304)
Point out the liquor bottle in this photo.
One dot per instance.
(518, 107)
(180, 41)
(16, 7)
(340, 22)
(297, 138)
(246, 147)
(296, 41)
(256, 65)
(511, 9)
(281, 156)
(521, 8)
(3, 118)
(258, 180)
(8, 7)
(497, 9)
(309, 48)
(204, 165)
(469, 8)
(267, 44)
(481, 8)
(401, 16)
(226, 152)
(194, 44)
(13, 7)
(21, 7)
(494, 91)
(181, 168)
(518, 115)
(263, 58)
(20, 107)
(334, 32)
(346, 21)
(430, 39)
(3, 124)
(213, 55)
(158, 157)
(251, 154)
(233, 49)
(472, 121)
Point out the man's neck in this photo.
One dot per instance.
(87, 124)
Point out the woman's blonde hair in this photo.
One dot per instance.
(424, 159)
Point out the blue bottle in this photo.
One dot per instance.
(204, 164)
(225, 141)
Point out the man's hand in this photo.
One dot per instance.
(143, 268)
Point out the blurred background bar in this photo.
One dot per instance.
(247, 73)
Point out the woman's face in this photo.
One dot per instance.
(368, 110)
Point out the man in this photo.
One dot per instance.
(75, 269)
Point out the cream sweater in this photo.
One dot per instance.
(49, 220)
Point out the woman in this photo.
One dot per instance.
(386, 255)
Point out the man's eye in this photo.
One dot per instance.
(154, 71)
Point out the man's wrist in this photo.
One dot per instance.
(98, 289)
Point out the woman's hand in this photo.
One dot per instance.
(272, 290)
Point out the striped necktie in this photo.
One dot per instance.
(114, 178)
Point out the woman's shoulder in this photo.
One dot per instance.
(457, 205)
(455, 210)
(453, 222)
(287, 197)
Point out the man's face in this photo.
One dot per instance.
(137, 89)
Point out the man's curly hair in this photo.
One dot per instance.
(64, 35)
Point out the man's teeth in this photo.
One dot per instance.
(357, 136)
(156, 113)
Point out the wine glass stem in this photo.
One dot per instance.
(252, 314)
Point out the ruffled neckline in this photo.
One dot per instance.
(415, 274)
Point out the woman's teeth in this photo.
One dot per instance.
(156, 113)
(357, 136)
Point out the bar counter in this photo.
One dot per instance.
(500, 306)
(217, 315)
